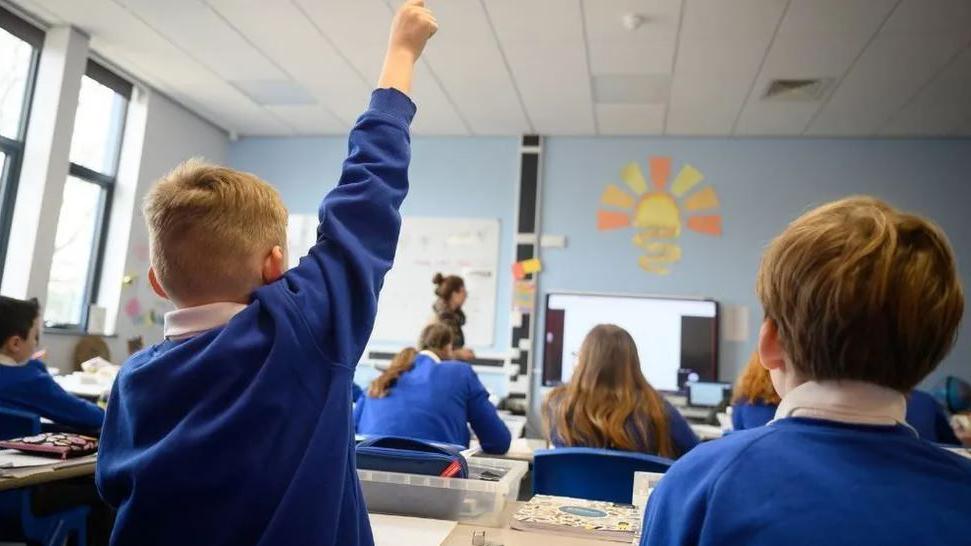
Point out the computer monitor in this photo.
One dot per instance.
(677, 338)
(708, 394)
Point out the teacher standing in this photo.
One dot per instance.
(451, 295)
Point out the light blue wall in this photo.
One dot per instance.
(763, 184)
(451, 178)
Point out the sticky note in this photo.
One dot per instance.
(518, 272)
(532, 266)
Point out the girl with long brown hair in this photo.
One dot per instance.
(424, 394)
(609, 404)
(754, 400)
(450, 295)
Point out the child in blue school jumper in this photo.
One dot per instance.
(609, 404)
(428, 396)
(25, 384)
(861, 302)
(755, 402)
(237, 428)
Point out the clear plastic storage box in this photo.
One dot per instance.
(466, 500)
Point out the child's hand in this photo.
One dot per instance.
(413, 25)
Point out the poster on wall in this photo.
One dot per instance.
(658, 211)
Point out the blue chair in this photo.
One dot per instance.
(589, 473)
(17, 519)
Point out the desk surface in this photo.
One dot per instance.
(85, 388)
(462, 534)
(14, 478)
(521, 449)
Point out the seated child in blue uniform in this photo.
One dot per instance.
(754, 401)
(609, 404)
(927, 417)
(424, 394)
(25, 384)
(237, 429)
(861, 302)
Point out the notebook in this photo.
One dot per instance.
(58, 445)
(579, 518)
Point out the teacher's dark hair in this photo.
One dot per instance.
(445, 286)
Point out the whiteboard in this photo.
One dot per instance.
(451, 246)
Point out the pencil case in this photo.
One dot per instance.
(59, 445)
(411, 456)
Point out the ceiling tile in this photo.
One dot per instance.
(630, 119)
(942, 107)
(891, 70)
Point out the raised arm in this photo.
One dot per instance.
(336, 286)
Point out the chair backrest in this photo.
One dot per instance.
(16, 423)
(589, 473)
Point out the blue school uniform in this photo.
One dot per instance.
(243, 434)
(31, 388)
(435, 401)
(809, 481)
(746, 415)
(928, 419)
(683, 439)
(923, 413)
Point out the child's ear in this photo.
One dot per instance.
(771, 354)
(274, 265)
(156, 286)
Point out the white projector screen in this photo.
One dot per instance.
(676, 338)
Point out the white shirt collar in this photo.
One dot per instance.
(7, 361)
(190, 321)
(431, 355)
(854, 402)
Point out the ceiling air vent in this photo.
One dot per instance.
(797, 90)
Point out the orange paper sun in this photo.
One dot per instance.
(659, 213)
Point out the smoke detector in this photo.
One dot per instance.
(633, 21)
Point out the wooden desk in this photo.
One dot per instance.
(707, 432)
(462, 535)
(521, 449)
(15, 478)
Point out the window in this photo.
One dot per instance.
(20, 45)
(83, 220)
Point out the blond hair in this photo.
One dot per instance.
(859, 290)
(210, 228)
(755, 385)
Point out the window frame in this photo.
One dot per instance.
(106, 183)
(13, 149)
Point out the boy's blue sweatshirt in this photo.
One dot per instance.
(243, 434)
(801, 481)
(31, 388)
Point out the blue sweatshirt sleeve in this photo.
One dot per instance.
(335, 288)
(493, 434)
(43, 396)
(683, 438)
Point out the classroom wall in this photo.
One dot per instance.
(450, 178)
(172, 134)
(762, 185)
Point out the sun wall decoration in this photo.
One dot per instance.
(658, 213)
